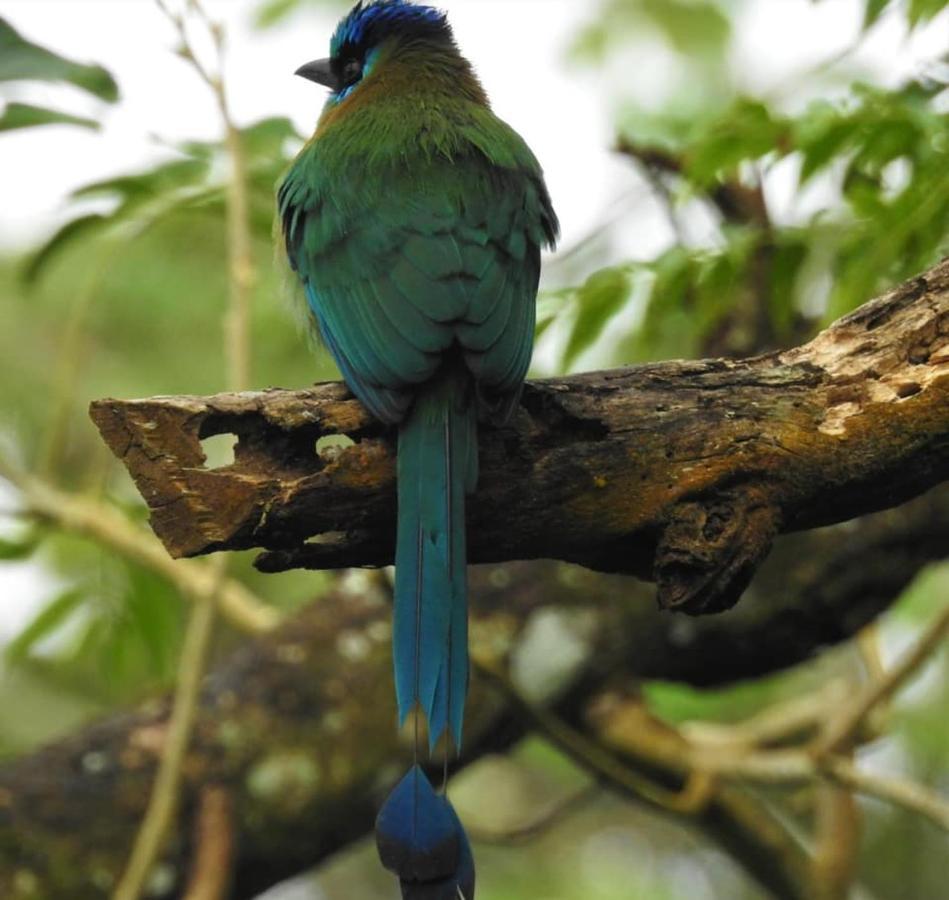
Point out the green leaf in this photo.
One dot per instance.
(81, 227)
(746, 131)
(549, 307)
(668, 327)
(23, 115)
(49, 620)
(154, 608)
(266, 138)
(273, 11)
(21, 60)
(169, 176)
(598, 300)
(922, 11)
(694, 28)
(786, 263)
(820, 135)
(188, 184)
(14, 550)
(691, 27)
(873, 11)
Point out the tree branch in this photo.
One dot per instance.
(846, 730)
(291, 726)
(681, 472)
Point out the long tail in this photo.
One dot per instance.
(419, 835)
(438, 466)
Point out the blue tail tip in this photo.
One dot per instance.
(421, 840)
(460, 885)
(416, 832)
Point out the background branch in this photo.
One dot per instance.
(279, 721)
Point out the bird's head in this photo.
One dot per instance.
(380, 30)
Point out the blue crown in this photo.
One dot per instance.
(367, 24)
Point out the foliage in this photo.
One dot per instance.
(697, 28)
(872, 162)
(273, 12)
(21, 60)
(192, 184)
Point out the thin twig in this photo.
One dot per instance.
(592, 756)
(215, 844)
(767, 850)
(191, 667)
(108, 527)
(843, 731)
(777, 725)
(240, 253)
(836, 841)
(898, 791)
(800, 767)
(163, 802)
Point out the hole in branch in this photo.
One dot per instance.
(330, 446)
(219, 450)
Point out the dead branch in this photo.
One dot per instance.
(682, 472)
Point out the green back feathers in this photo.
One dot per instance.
(415, 219)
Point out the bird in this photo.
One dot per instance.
(415, 219)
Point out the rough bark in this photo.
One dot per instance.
(682, 472)
(291, 730)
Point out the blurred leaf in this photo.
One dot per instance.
(190, 184)
(268, 137)
(15, 550)
(154, 612)
(549, 307)
(84, 226)
(668, 309)
(873, 10)
(787, 260)
(52, 617)
(23, 115)
(21, 60)
(922, 11)
(918, 12)
(694, 28)
(820, 135)
(598, 300)
(926, 596)
(272, 12)
(748, 130)
(691, 26)
(677, 703)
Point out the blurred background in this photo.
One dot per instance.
(731, 175)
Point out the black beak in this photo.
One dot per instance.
(319, 71)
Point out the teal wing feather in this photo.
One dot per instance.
(396, 277)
